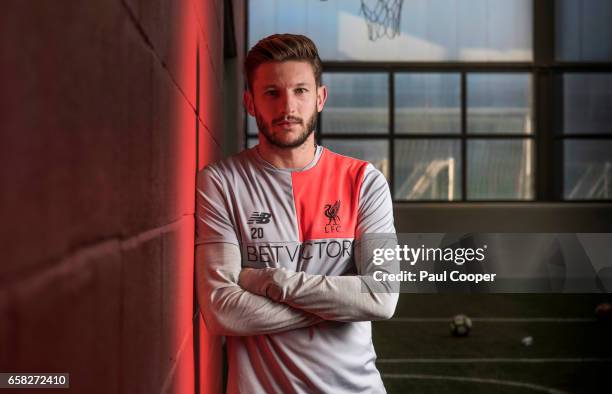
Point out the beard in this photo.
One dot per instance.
(273, 139)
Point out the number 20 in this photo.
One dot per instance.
(256, 232)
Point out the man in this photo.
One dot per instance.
(283, 231)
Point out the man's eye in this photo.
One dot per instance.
(300, 90)
(271, 93)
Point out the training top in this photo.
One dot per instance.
(301, 229)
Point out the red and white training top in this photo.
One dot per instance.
(306, 221)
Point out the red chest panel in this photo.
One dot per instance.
(327, 197)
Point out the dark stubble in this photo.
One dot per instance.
(264, 128)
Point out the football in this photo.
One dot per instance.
(527, 341)
(460, 325)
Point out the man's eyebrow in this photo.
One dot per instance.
(274, 86)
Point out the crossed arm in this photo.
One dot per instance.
(340, 298)
(249, 301)
(228, 309)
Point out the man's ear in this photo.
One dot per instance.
(321, 97)
(248, 102)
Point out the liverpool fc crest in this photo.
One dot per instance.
(331, 211)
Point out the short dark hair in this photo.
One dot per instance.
(281, 48)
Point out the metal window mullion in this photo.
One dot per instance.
(544, 98)
(463, 135)
(557, 138)
(547, 121)
(391, 135)
(585, 136)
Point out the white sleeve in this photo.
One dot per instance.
(343, 298)
(230, 310)
(213, 212)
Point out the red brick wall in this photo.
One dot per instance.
(102, 125)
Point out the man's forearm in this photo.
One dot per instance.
(228, 309)
(237, 312)
(341, 298)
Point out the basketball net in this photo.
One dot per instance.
(383, 19)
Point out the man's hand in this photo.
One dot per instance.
(260, 281)
(228, 309)
(248, 280)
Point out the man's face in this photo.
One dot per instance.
(285, 101)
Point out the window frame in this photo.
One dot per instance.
(547, 97)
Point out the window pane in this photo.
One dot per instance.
(587, 103)
(374, 151)
(427, 103)
(251, 142)
(252, 125)
(356, 103)
(427, 169)
(587, 169)
(430, 30)
(583, 30)
(499, 103)
(500, 169)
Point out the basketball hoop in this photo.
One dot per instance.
(383, 19)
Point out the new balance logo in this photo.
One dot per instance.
(260, 218)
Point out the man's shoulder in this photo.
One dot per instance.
(228, 165)
(344, 160)
(364, 169)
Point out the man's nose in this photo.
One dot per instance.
(288, 103)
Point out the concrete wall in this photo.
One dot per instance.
(107, 110)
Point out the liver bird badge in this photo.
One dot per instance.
(331, 211)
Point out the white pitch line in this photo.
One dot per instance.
(495, 319)
(491, 360)
(535, 387)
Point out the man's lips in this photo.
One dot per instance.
(287, 122)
